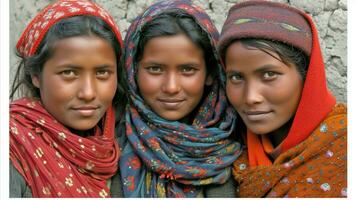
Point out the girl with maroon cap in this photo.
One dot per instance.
(62, 128)
(295, 132)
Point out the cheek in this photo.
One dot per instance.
(291, 90)
(148, 84)
(55, 90)
(287, 96)
(107, 89)
(234, 95)
(194, 85)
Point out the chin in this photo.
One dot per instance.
(84, 126)
(259, 130)
(171, 118)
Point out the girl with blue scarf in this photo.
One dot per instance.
(177, 136)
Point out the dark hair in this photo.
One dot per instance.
(176, 22)
(69, 27)
(287, 53)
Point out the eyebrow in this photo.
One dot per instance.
(266, 67)
(260, 69)
(192, 64)
(189, 65)
(78, 67)
(104, 66)
(153, 63)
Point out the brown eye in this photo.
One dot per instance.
(103, 74)
(235, 78)
(187, 70)
(154, 69)
(269, 75)
(68, 73)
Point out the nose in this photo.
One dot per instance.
(253, 94)
(88, 90)
(171, 84)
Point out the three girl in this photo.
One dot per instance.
(62, 129)
(296, 134)
(176, 131)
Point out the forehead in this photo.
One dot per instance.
(241, 56)
(171, 44)
(81, 43)
(84, 52)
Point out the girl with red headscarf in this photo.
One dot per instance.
(296, 134)
(62, 128)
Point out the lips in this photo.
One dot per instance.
(85, 110)
(171, 104)
(257, 115)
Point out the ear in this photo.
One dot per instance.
(35, 80)
(209, 80)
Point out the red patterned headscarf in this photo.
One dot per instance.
(54, 161)
(53, 13)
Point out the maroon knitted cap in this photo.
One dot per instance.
(266, 20)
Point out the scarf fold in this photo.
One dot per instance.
(55, 162)
(168, 158)
(316, 167)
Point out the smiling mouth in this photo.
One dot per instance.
(171, 104)
(86, 111)
(257, 115)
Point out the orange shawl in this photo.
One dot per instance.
(317, 167)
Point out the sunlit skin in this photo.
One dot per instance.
(264, 91)
(172, 76)
(78, 82)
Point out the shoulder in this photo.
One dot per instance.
(338, 109)
(116, 186)
(225, 190)
(18, 187)
(336, 120)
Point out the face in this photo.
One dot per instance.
(79, 81)
(264, 91)
(171, 76)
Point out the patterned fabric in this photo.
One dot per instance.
(302, 165)
(38, 27)
(167, 158)
(317, 167)
(53, 161)
(56, 162)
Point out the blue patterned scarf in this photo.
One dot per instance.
(162, 158)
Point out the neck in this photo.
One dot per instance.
(187, 120)
(277, 136)
(84, 134)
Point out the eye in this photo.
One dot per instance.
(69, 73)
(235, 78)
(103, 73)
(269, 75)
(154, 69)
(188, 70)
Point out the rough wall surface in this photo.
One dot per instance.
(329, 15)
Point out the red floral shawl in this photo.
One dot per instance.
(55, 162)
